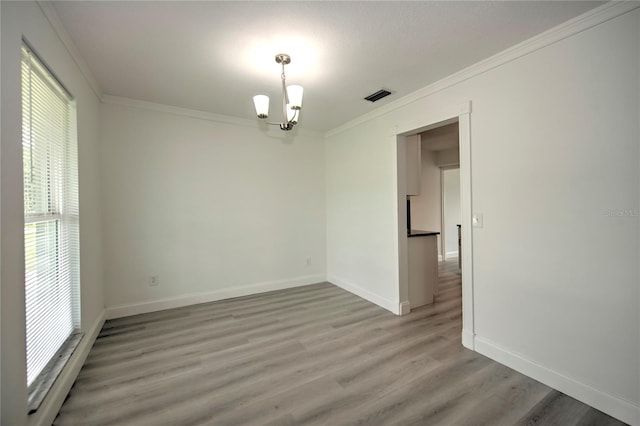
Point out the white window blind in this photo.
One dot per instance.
(51, 245)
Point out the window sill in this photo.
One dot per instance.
(45, 380)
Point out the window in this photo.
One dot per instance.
(51, 243)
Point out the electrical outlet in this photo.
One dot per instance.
(308, 261)
(153, 281)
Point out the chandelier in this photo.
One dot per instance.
(291, 100)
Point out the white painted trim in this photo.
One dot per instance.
(442, 117)
(51, 404)
(185, 112)
(129, 309)
(574, 26)
(58, 27)
(468, 340)
(405, 307)
(451, 254)
(439, 257)
(613, 405)
(389, 305)
(201, 115)
(399, 199)
(466, 209)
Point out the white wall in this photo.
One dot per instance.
(451, 209)
(426, 208)
(1, 221)
(448, 157)
(26, 19)
(568, 318)
(360, 185)
(213, 209)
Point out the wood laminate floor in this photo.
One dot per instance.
(306, 356)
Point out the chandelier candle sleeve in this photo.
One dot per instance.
(291, 99)
(262, 105)
(295, 96)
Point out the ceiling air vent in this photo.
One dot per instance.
(377, 96)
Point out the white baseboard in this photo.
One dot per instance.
(405, 307)
(51, 404)
(468, 339)
(451, 254)
(439, 258)
(129, 309)
(619, 408)
(389, 305)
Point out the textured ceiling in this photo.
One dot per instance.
(214, 56)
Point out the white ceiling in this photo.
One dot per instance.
(214, 56)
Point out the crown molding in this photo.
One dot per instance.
(193, 113)
(52, 16)
(170, 109)
(558, 33)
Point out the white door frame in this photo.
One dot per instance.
(461, 114)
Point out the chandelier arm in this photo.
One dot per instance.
(295, 116)
(287, 125)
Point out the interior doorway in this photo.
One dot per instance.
(439, 150)
(461, 116)
(451, 211)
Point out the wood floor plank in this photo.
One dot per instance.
(555, 409)
(312, 355)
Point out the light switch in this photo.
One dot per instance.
(476, 220)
